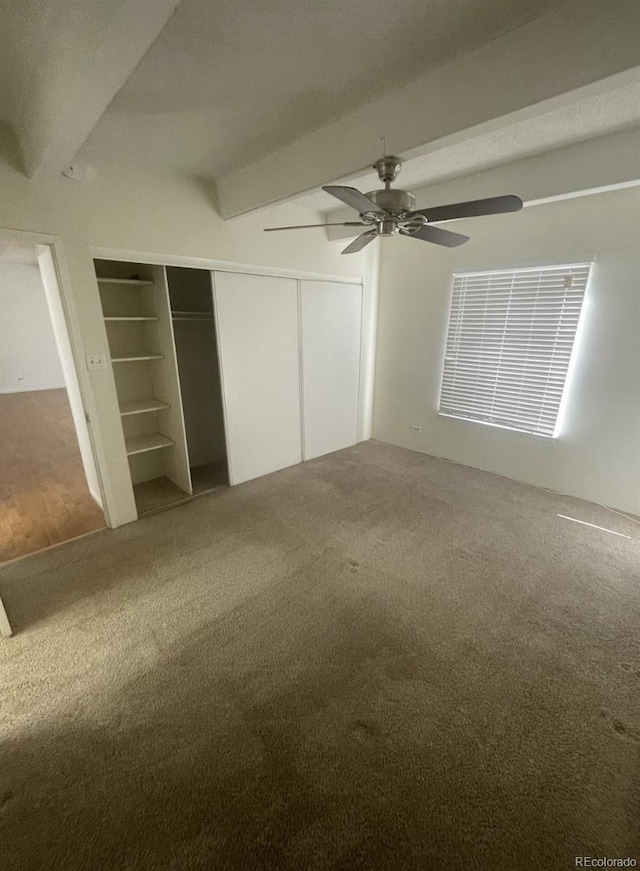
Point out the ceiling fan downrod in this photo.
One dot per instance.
(395, 202)
(388, 168)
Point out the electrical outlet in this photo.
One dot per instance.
(96, 361)
(416, 428)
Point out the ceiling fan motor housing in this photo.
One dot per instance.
(396, 202)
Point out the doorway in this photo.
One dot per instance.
(49, 486)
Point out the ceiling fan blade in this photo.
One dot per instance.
(305, 226)
(353, 198)
(436, 235)
(359, 243)
(473, 209)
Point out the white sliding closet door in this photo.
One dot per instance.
(257, 319)
(331, 316)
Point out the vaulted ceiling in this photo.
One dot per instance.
(61, 63)
(226, 82)
(270, 100)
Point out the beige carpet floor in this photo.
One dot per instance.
(375, 660)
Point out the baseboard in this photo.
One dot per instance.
(32, 389)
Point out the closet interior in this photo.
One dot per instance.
(194, 330)
(162, 342)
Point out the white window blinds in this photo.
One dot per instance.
(509, 344)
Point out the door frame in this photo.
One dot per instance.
(157, 259)
(71, 335)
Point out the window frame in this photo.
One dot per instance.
(533, 268)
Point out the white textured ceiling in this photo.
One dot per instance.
(226, 83)
(572, 123)
(38, 39)
(61, 63)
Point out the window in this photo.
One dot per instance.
(509, 345)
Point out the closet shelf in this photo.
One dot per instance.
(142, 406)
(134, 357)
(127, 282)
(145, 318)
(142, 444)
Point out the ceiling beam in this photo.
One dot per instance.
(574, 45)
(606, 163)
(70, 99)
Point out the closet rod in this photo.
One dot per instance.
(200, 320)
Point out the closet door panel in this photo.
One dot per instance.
(331, 317)
(257, 319)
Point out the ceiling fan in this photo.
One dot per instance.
(387, 212)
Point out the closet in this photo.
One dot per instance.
(194, 331)
(290, 352)
(154, 349)
(223, 377)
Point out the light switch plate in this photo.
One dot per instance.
(96, 361)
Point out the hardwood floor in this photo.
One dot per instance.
(44, 499)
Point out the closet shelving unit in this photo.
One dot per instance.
(135, 305)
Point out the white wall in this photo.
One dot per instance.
(146, 212)
(28, 354)
(597, 454)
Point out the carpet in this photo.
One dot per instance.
(374, 660)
